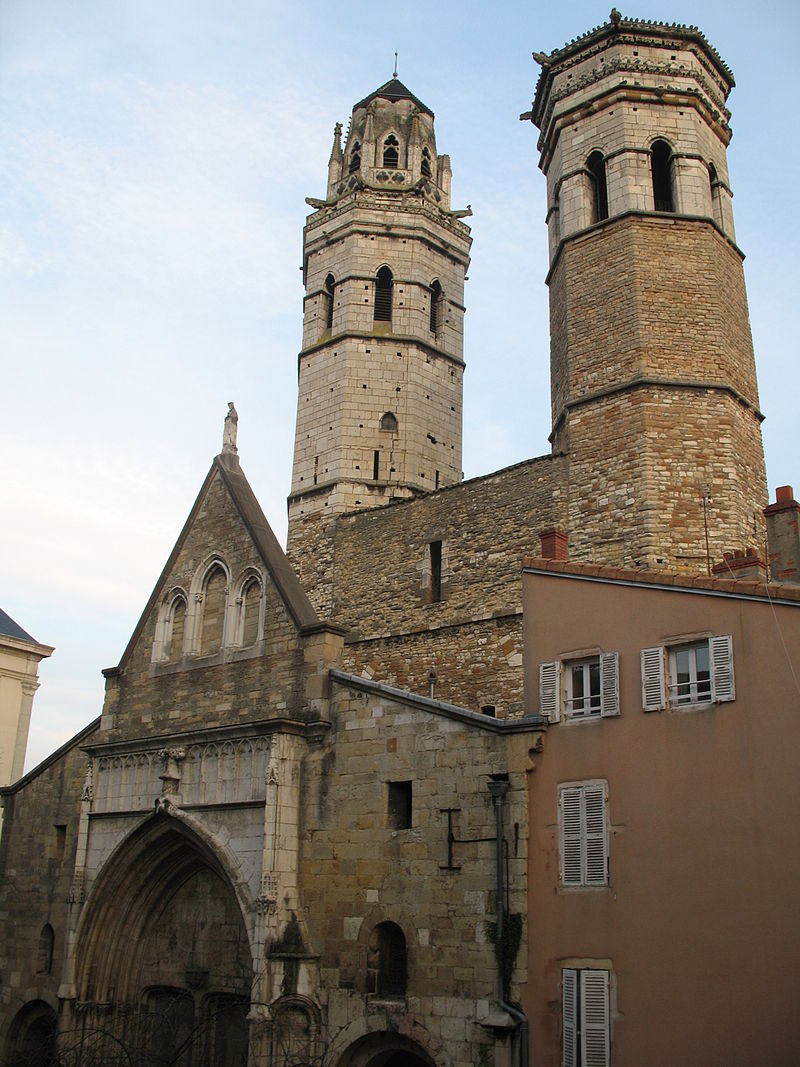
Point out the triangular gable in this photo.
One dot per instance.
(266, 543)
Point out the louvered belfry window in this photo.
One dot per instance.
(585, 1040)
(383, 295)
(425, 166)
(583, 834)
(391, 154)
(436, 307)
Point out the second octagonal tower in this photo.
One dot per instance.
(380, 371)
(653, 382)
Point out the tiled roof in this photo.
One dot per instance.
(748, 587)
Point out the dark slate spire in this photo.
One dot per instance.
(394, 90)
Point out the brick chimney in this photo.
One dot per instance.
(783, 536)
(740, 564)
(554, 544)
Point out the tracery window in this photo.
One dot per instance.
(355, 157)
(426, 163)
(391, 154)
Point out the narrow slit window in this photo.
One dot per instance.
(596, 165)
(661, 166)
(376, 462)
(383, 295)
(436, 307)
(330, 285)
(435, 550)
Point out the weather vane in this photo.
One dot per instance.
(395, 65)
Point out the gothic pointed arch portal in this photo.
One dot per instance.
(163, 962)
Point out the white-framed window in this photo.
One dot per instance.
(585, 1031)
(581, 688)
(688, 674)
(583, 834)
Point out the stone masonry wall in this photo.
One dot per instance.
(358, 871)
(261, 682)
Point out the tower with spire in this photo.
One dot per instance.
(380, 370)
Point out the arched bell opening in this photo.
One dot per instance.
(163, 962)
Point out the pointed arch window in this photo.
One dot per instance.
(355, 157)
(437, 302)
(214, 600)
(391, 152)
(661, 165)
(596, 165)
(175, 629)
(330, 286)
(46, 942)
(249, 611)
(383, 295)
(425, 166)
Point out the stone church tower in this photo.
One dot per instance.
(380, 372)
(654, 395)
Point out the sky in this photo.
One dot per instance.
(154, 160)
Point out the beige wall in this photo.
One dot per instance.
(699, 918)
(19, 668)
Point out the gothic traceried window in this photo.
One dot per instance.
(355, 157)
(391, 154)
(426, 163)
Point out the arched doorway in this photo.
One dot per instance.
(164, 967)
(386, 1049)
(31, 1036)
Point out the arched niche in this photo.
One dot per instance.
(31, 1039)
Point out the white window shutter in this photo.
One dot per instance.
(549, 695)
(595, 835)
(595, 1051)
(653, 695)
(570, 826)
(569, 1017)
(609, 684)
(721, 656)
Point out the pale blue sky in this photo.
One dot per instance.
(154, 162)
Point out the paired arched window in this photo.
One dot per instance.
(426, 163)
(436, 299)
(596, 165)
(355, 157)
(171, 627)
(661, 164)
(391, 152)
(330, 285)
(387, 966)
(249, 604)
(383, 295)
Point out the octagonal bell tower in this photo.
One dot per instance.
(653, 380)
(380, 372)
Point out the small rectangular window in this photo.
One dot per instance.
(399, 809)
(61, 840)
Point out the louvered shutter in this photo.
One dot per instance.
(609, 684)
(548, 690)
(569, 1017)
(595, 836)
(595, 1050)
(653, 696)
(570, 825)
(721, 656)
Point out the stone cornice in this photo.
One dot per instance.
(201, 735)
(394, 338)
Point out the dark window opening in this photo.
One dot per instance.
(383, 295)
(355, 158)
(661, 166)
(435, 549)
(488, 709)
(436, 307)
(712, 178)
(329, 293)
(61, 840)
(436, 484)
(387, 967)
(376, 459)
(596, 166)
(46, 941)
(389, 422)
(426, 163)
(399, 807)
(391, 156)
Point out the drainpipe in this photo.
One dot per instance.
(498, 787)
